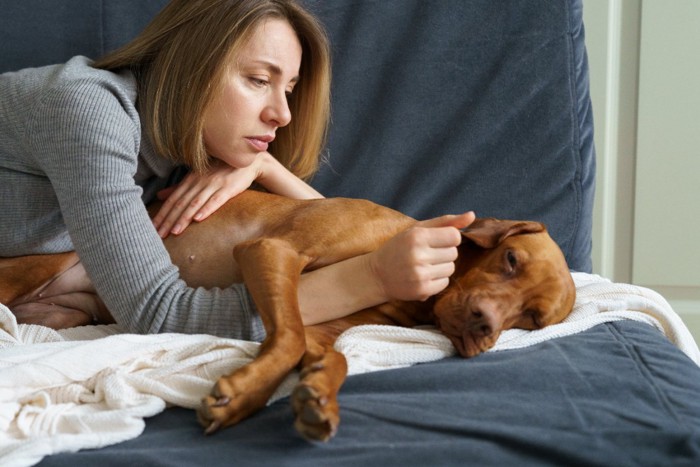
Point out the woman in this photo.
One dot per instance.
(213, 86)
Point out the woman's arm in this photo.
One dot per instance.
(413, 265)
(199, 195)
(277, 179)
(85, 137)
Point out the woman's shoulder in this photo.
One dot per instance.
(76, 80)
(75, 75)
(74, 108)
(75, 94)
(73, 86)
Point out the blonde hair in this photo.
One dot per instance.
(180, 60)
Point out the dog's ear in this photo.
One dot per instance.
(489, 232)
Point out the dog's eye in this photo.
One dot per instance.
(511, 261)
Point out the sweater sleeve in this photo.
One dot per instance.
(86, 137)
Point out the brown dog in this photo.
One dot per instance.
(508, 274)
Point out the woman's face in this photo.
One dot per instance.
(242, 121)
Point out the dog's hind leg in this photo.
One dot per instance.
(23, 275)
(271, 269)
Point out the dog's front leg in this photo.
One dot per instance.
(323, 371)
(271, 270)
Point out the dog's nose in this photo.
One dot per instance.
(479, 324)
(486, 318)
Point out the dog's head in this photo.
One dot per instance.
(510, 274)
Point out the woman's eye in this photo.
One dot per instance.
(259, 82)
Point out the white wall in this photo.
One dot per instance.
(619, 82)
(612, 40)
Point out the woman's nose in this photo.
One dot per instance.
(277, 111)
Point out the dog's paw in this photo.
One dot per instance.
(227, 405)
(317, 416)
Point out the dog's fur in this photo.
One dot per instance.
(508, 274)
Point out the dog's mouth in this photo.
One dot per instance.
(469, 345)
(469, 336)
(472, 324)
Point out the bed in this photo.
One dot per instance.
(438, 106)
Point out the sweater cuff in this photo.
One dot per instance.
(252, 320)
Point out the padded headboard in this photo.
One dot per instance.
(439, 106)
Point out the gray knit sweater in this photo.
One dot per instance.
(75, 172)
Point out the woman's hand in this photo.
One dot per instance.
(417, 263)
(413, 265)
(197, 196)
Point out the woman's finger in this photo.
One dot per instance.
(430, 288)
(458, 221)
(220, 196)
(190, 211)
(442, 270)
(176, 210)
(440, 256)
(170, 196)
(443, 237)
(163, 194)
(211, 205)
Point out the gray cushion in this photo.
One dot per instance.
(453, 105)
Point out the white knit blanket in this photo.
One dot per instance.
(93, 386)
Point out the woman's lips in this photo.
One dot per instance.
(260, 143)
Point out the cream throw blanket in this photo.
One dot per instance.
(93, 386)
